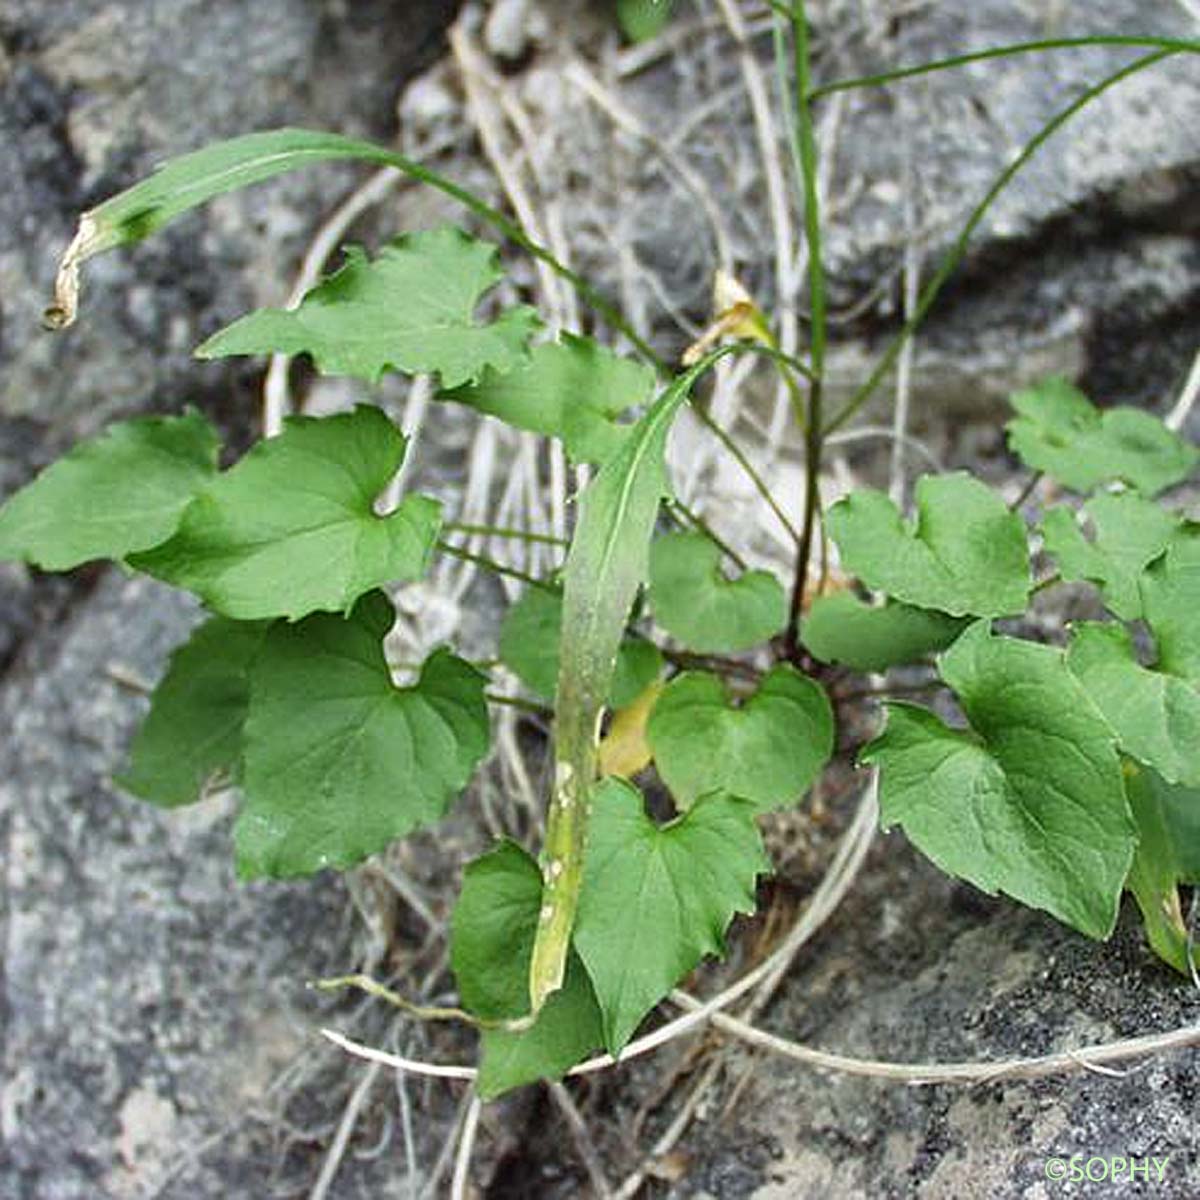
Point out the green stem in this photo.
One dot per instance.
(739, 456)
(958, 250)
(490, 564)
(685, 660)
(685, 515)
(497, 531)
(1048, 582)
(806, 151)
(529, 706)
(515, 233)
(1016, 48)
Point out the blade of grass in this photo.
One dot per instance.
(958, 250)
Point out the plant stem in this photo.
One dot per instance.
(685, 515)
(498, 531)
(960, 60)
(687, 661)
(1027, 491)
(490, 564)
(529, 706)
(958, 250)
(806, 151)
(739, 456)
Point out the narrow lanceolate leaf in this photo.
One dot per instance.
(531, 633)
(608, 561)
(121, 492)
(193, 731)
(1059, 431)
(643, 19)
(1168, 854)
(410, 309)
(1031, 800)
(1155, 715)
(1170, 590)
(491, 941)
(843, 629)
(292, 529)
(573, 389)
(188, 181)
(338, 760)
(1130, 533)
(966, 554)
(656, 899)
(767, 750)
(694, 602)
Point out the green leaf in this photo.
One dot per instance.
(118, 493)
(493, 923)
(338, 760)
(656, 899)
(1168, 854)
(188, 181)
(843, 629)
(1059, 431)
(769, 750)
(567, 1030)
(1170, 590)
(573, 389)
(491, 941)
(411, 309)
(1154, 715)
(694, 602)
(607, 562)
(1030, 801)
(1130, 534)
(292, 529)
(193, 731)
(641, 20)
(531, 633)
(965, 555)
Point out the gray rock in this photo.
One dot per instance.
(1085, 265)
(917, 969)
(157, 1036)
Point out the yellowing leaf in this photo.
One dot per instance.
(624, 750)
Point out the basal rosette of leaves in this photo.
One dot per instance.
(1057, 774)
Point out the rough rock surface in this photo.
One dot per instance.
(916, 969)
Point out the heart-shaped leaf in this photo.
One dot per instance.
(491, 942)
(194, 728)
(410, 309)
(1031, 800)
(109, 497)
(768, 751)
(842, 629)
(1170, 590)
(292, 528)
(530, 638)
(965, 555)
(573, 389)
(1059, 431)
(339, 762)
(1155, 715)
(1130, 534)
(694, 602)
(656, 899)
